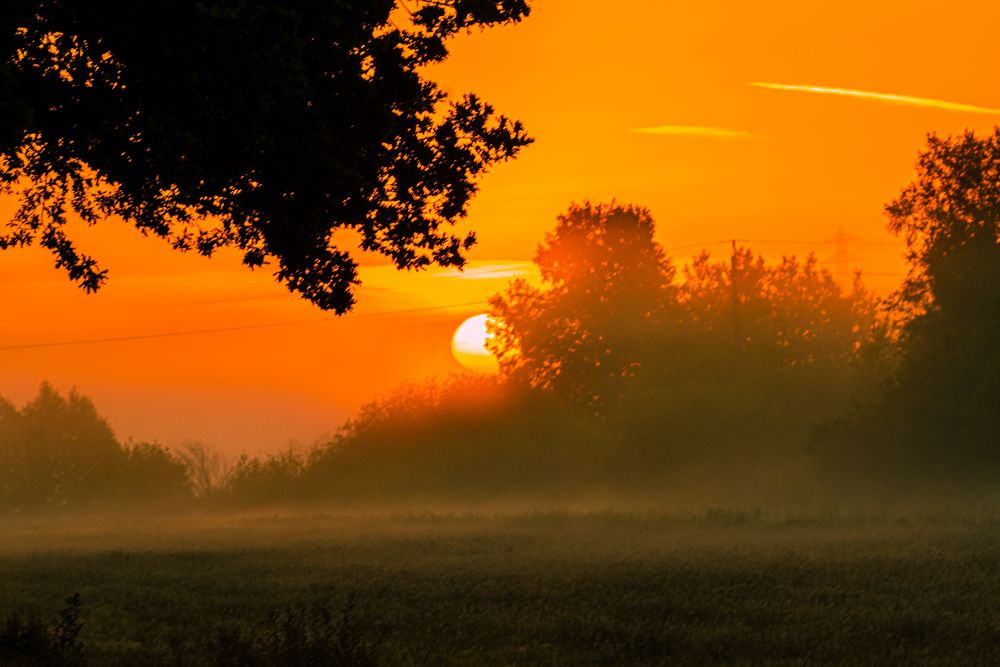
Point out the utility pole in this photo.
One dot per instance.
(735, 299)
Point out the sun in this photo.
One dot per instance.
(469, 345)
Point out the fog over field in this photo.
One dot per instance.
(537, 588)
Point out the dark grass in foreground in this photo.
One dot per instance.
(549, 589)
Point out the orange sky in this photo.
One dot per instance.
(719, 158)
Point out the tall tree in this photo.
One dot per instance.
(267, 126)
(65, 451)
(937, 421)
(949, 379)
(606, 283)
(949, 217)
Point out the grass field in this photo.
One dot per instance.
(527, 589)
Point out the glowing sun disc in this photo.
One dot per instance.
(468, 345)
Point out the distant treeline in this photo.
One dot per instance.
(58, 452)
(728, 380)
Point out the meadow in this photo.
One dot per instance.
(552, 588)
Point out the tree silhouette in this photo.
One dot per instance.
(936, 423)
(57, 450)
(948, 384)
(269, 127)
(606, 284)
(150, 474)
(791, 313)
(11, 456)
(207, 469)
(950, 219)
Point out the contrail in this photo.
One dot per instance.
(694, 131)
(880, 97)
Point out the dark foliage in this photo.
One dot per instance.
(58, 453)
(259, 125)
(611, 317)
(937, 422)
(28, 642)
(268, 479)
(56, 450)
(608, 283)
(152, 475)
(310, 637)
(464, 438)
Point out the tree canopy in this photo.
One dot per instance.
(936, 421)
(270, 127)
(943, 402)
(612, 313)
(58, 452)
(607, 281)
(949, 217)
(789, 313)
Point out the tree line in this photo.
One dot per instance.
(623, 374)
(57, 452)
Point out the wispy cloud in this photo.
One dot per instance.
(694, 131)
(489, 271)
(879, 97)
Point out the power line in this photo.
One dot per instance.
(704, 244)
(245, 327)
(133, 309)
(832, 241)
(269, 297)
(173, 334)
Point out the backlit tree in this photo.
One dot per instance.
(289, 131)
(606, 283)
